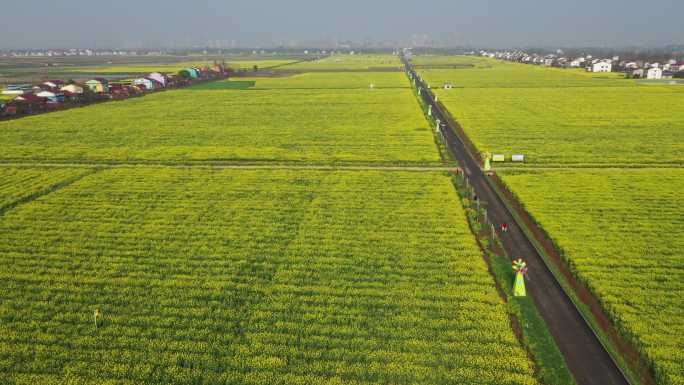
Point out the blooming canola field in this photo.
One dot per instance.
(566, 117)
(620, 232)
(141, 244)
(255, 277)
(602, 176)
(292, 120)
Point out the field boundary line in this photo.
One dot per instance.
(47, 190)
(586, 166)
(237, 166)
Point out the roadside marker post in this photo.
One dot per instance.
(97, 315)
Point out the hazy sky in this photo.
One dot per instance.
(499, 23)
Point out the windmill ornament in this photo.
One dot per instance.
(487, 161)
(520, 268)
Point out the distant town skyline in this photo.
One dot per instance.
(131, 24)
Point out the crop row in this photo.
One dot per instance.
(17, 183)
(620, 232)
(254, 277)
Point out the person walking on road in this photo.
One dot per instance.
(504, 227)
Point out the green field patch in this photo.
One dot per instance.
(350, 62)
(574, 125)
(451, 60)
(243, 277)
(347, 125)
(335, 80)
(224, 85)
(499, 74)
(620, 233)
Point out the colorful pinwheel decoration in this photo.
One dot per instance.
(487, 161)
(520, 268)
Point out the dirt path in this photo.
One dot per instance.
(586, 358)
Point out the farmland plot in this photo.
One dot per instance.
(230, 125)
(499, 74)
(331, 80)
(254, 277)
(20, 183)
(574, 125)
(621, 233)
(350, 62)
(420, 61)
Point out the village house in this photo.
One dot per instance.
(72, 89)
(98, 85)
(158, 77)
(118, 91)
(52, 97)
(577, 63)
(601, 67)
(146, 84)
(29, 103)
(51, 85)
(654, 73)
(17, 89)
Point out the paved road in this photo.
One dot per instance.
(586, 358)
